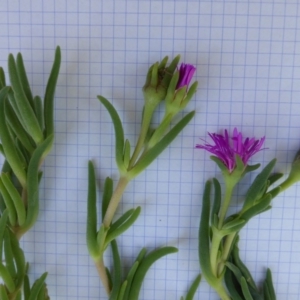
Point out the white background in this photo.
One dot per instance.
(247, 59)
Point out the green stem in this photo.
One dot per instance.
(114, 201)
(214, 250)
(226, 251)
(221, 291)
(229, 185)
(147, 116)
(103, 275)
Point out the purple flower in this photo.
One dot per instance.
(186, 73)
(226, 148)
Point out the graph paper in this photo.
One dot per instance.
(248, 68)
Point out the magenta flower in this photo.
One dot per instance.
(186, 73)
(226, 150)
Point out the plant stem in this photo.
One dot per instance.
(103, 275)
(226, 251)
(114, 201)
(229, 185)
(147, 116)
(214, 250)
(221, 291)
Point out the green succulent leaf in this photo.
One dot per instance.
(119, 132)
(49, 94)
(28, 116)
(258, 185)
(37, 286)
(107, 194)
(91, 227)
(192, 290)
(204, 237)
(117, 272)
(122, 224)
(9, 147)
(144, 266)
(156, 150)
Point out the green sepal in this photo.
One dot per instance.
(143, 268)
(220, 164)
(107, 194)
(119, 133)
(192, 290)
(170, 70)
(91, 221)
(256, 189)
(251, 168)
(122, 224)
(49, 94)
(154, 152)
(116, 280)
(28, 116)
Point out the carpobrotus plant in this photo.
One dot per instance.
(218, 233)
(27, 134)
(162, 83)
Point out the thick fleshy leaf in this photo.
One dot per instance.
(23, 78)
(28, 116)
(204, 237)
(119, 132)
(49, 94)
(192, 290)
(16, 198)
(122, 224)
(154, 152)
(107, 194)
(256, 188)
(116, 280)
(143, 268)
(37, 286)
(217, 202)
(91, 226)
(33, 181)
(10, 150)
(7, 278)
